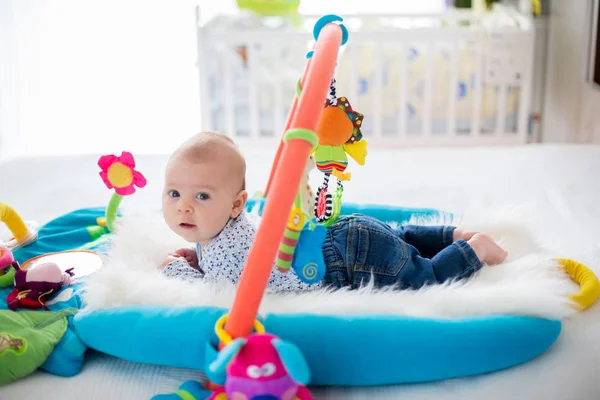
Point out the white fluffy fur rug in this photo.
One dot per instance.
(528, 283)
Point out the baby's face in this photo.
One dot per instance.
(200, 198)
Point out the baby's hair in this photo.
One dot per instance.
(204, 146)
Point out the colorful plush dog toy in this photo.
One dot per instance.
(262, 366)
(34, 286)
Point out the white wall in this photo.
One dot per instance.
(572, 105)
(9, 82)
(97, 76)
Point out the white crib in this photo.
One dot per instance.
(458, 78)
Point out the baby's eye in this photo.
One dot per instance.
(173, 193)
(202, 196)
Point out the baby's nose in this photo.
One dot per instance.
(184, 207)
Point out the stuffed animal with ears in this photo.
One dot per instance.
(34, 286)
(261, 366)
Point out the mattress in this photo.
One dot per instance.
(556, 185)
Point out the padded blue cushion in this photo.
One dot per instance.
(368, 350)
(169, 336)
(352, 350)
(67, 357)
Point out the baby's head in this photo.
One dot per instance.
(204, 188)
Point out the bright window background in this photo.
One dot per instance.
(80, 76)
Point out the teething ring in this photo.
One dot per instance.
(586, 279)
(225, 337)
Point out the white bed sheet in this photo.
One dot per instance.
(557, 185)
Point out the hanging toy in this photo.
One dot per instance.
(339, 134)
(260, 366)
(309, 263)
(301, 246)
(292, 232)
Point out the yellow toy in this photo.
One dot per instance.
(23, 234)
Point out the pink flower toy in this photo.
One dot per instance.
(119, 173)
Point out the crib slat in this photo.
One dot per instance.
(253, 79)
(229, 102)
(277, 90)
(526, 92)
(377, 90)
(501, 110)
(477, 89)
(402, 117)
(451, 121)
(428, 89)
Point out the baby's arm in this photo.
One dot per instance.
(179, 268)
(225, 258)
(186, 253)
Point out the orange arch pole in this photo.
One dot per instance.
(286, 179)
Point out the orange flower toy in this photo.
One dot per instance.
(119, 173)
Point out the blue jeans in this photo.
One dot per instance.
(358, 249)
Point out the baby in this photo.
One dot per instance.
(203, 202)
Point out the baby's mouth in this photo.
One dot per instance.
(185, 225)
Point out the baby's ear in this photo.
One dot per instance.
(239, 204)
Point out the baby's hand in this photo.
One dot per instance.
(487, 250)
(190, 256)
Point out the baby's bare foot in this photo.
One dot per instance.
(487, 250)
